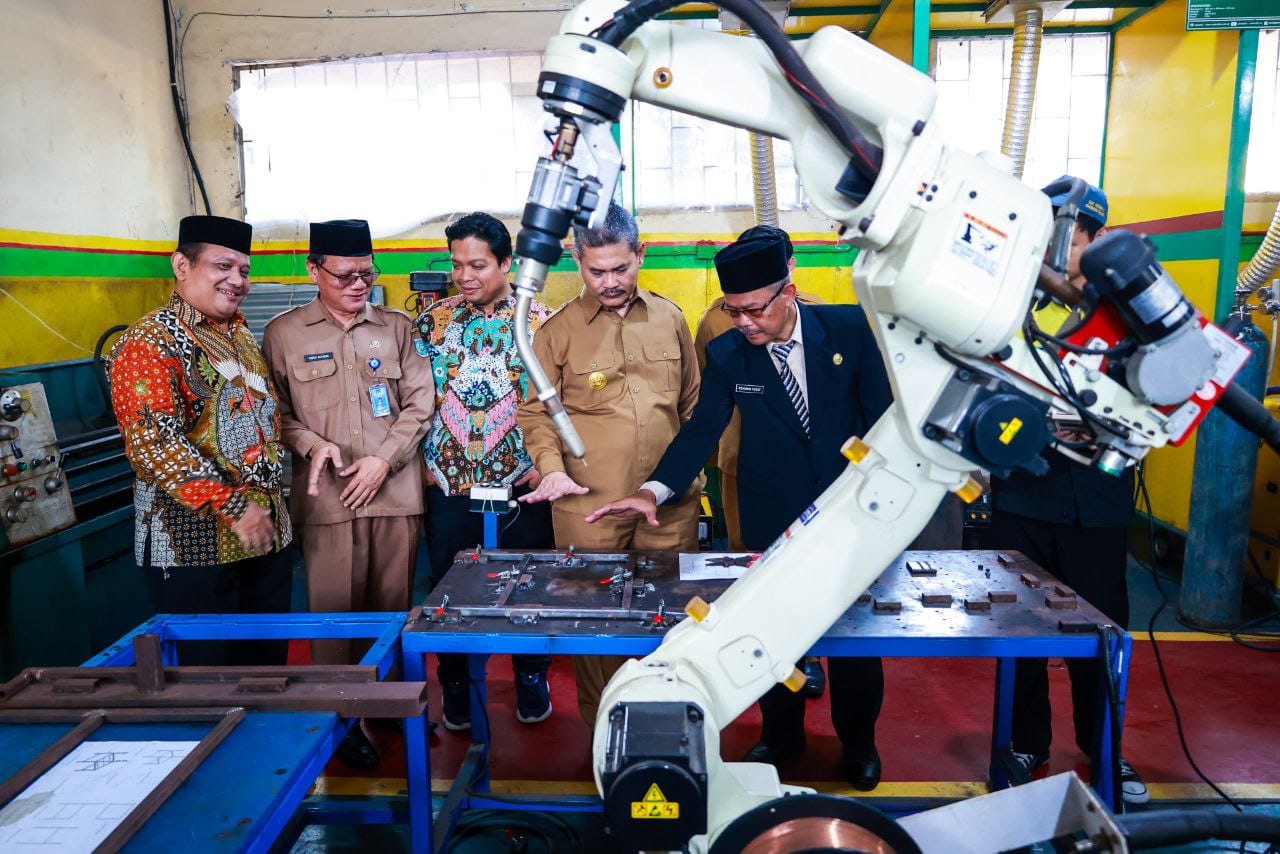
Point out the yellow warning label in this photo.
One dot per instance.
(655, 805)
(1009, 429)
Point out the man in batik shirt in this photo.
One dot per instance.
(480, 382)
(192, 394)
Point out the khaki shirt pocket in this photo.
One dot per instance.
(663, 356)
(585, 373)
(314, 386)
(388, 372)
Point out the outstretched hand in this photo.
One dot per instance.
(641, 503)
(553, 487)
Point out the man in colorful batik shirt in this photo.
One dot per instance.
(480, 382)
(197, 411)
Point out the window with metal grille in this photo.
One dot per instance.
(404, 140)
(1067, 127)
(1262, 174)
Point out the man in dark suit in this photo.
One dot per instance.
(805, 379)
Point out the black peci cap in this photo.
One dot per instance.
(345, 238)
(751, 264)
(218, 230)
(769, 231)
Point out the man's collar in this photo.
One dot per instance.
(315, 312)
(468, 307)
(192, 316)
(796, 334)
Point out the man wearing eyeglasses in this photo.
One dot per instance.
(355, 401)
(805, 379)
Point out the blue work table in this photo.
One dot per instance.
(247, 791)
(239, 799)
(900, 616)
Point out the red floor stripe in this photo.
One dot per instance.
(936, 723)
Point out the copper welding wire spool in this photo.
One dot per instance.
(813, 822)
(818, 833)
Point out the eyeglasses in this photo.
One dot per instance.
(756, 312)
(349, 279)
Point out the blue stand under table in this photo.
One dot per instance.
(248, 790)
(963, 604)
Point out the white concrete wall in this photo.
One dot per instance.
(88, 140)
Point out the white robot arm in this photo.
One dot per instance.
(952, 254)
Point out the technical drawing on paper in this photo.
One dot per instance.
(78, 802)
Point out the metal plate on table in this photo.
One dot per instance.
(922, 594)
(991, 594)
(543, 592)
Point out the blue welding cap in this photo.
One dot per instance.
(1093, 206)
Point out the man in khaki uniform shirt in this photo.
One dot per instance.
(714, 323)
(622, 360)
(355, 400)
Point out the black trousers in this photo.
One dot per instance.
(257, 585)
(1091, 561)
(452, 527)
(856, 686)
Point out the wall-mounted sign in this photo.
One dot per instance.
(1232, 14)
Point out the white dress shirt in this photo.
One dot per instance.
(795, 361)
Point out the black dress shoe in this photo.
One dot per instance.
(815, 680)
(773, 752)
(357, 752)
(862, 769)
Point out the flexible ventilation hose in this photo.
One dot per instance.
(764, 182)
(1266, 261)
(1027, 34)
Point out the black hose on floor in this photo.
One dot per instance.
(1178, 827)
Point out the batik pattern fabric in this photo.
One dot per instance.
(201, 429)
(480, 383)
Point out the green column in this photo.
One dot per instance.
(920, 36)
(1233, 203)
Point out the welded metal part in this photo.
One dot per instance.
(534, 613)
(351, 691)
(918, 568)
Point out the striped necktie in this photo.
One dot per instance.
(789, 382)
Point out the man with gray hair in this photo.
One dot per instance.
(623, 362)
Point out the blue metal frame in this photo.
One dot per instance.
(383, 627)
(416, 644)
(385, 630)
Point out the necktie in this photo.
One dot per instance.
(789, 382)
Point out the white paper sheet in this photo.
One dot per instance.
(76, 804)
(714, 566)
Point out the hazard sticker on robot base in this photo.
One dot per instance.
(655, 805)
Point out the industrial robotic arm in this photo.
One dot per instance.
(953, 252)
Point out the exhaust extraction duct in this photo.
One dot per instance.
(1028, 19)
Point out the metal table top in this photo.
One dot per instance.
(495, 598)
